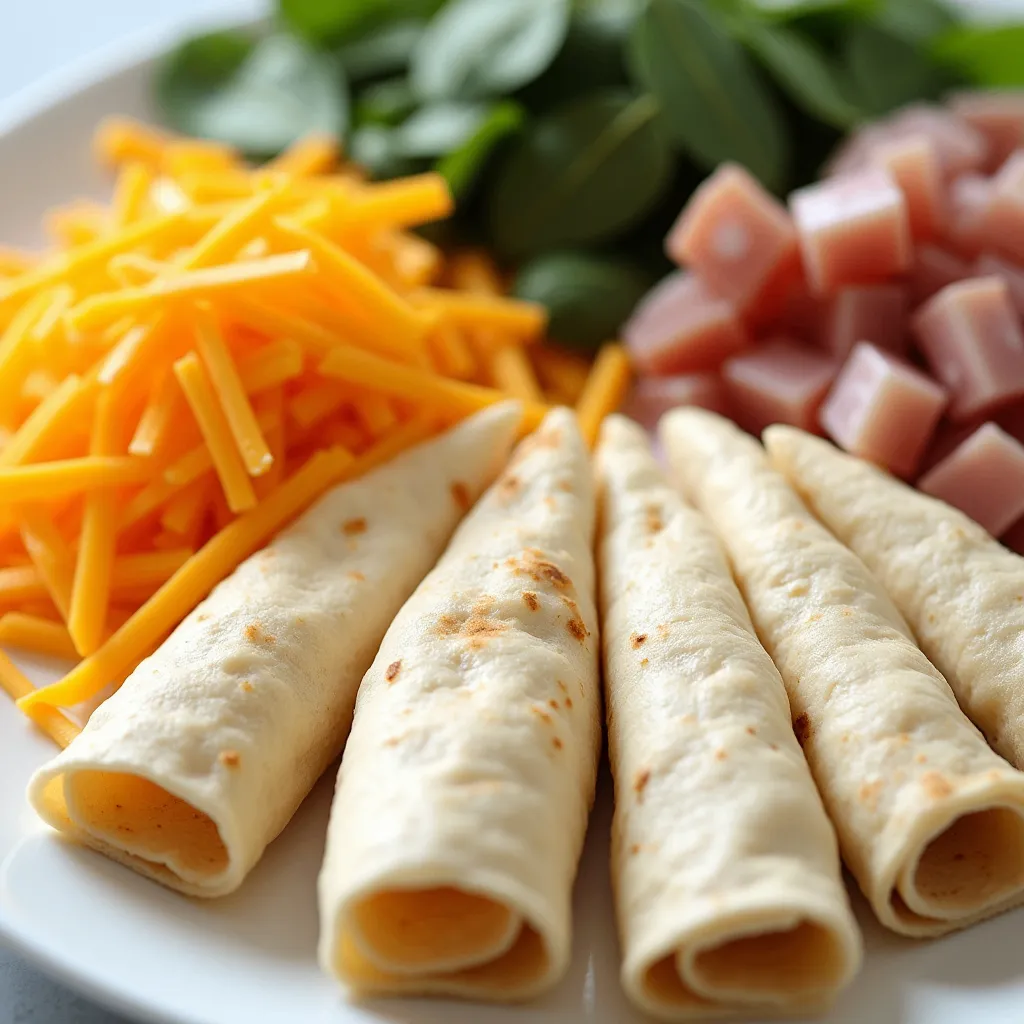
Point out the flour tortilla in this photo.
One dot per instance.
(960, 590)
(726, 870)
(930, 819)
(464, 791)
(203, 755)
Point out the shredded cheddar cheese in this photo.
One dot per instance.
(195, 362)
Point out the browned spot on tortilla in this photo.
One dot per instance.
(460, 495)
(392, 741)
(662, 629)
(577, 629)
(868, 792)
(640, 784)
(802, 728)
(245, 686)
(391, 673)
(634, 849)
(921, 759)
(931, 616)
(721, 755)
(353, 526)
(774, 746)
(751, 730)
(564, 485)
(936, 785)
(530, 600)
(568, 703)
(202, 617)
(562, 686)
(799, 524)
(508, 486)
(644, 662)
(230, 758)
(255, 634)
(447, 625)
(355, 574)
(902, 739)
(556, 743)
(549, 501)
(655, 523)
(536, 567)
(637, 639)
(847, 612)
(814, 617)
(299, 620)
(553, 703)
(541, 714)
(845, 738)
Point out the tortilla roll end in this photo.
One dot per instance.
(190, 769)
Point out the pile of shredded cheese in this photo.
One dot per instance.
(197, 362)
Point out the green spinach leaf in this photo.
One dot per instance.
(464, 163)
(988, 55)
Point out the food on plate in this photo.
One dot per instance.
(961, 591)
(200, 759)
(725, 867)
(903, 264)
(196, 362)
(465, 786)
(930, 819)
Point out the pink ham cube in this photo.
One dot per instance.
(882, 409)
(971, 338)
(934, 268)
(961, 148)
(998, 116)
(1013, 275)
(870, 312)
(913, 161)
(1004, 223)
(970, 200)
(984, 477)
(652, 397)
(853, 229)
(736, 236)
(681, 326)
(780, 381)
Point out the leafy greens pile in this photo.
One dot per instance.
(571, 133)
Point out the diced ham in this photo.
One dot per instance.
(872, 312)
(882, 409)
(780, 381)
(1014, 537)
(971, 338)
(853, 230)
(681, 326)
(961, 148)
(970, 201)
(934, 268)
(999, 116)
(946, 438)
(988, 264)
(913, 161)
(1004, 223)
(652, 397)
(736, 236)
(984, 477)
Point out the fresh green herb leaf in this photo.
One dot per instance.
(786, 10)
(589, 170)
(385, 51)
(887, 72)
(328, 22)
(462, 165)
(588, 296)
(377, 149)
(915, 21)
(474, 49)
(713, 102)
(803, 71)
(989, 55)
(438, 128)
(591, 58)
(388, 102)
(260, 101)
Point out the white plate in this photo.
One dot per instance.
(249, 958)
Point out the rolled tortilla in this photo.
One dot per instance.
(464, 791)
(726, 871)
(203, 755)
(930, 819)
(961, 591)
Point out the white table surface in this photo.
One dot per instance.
(38, 37)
